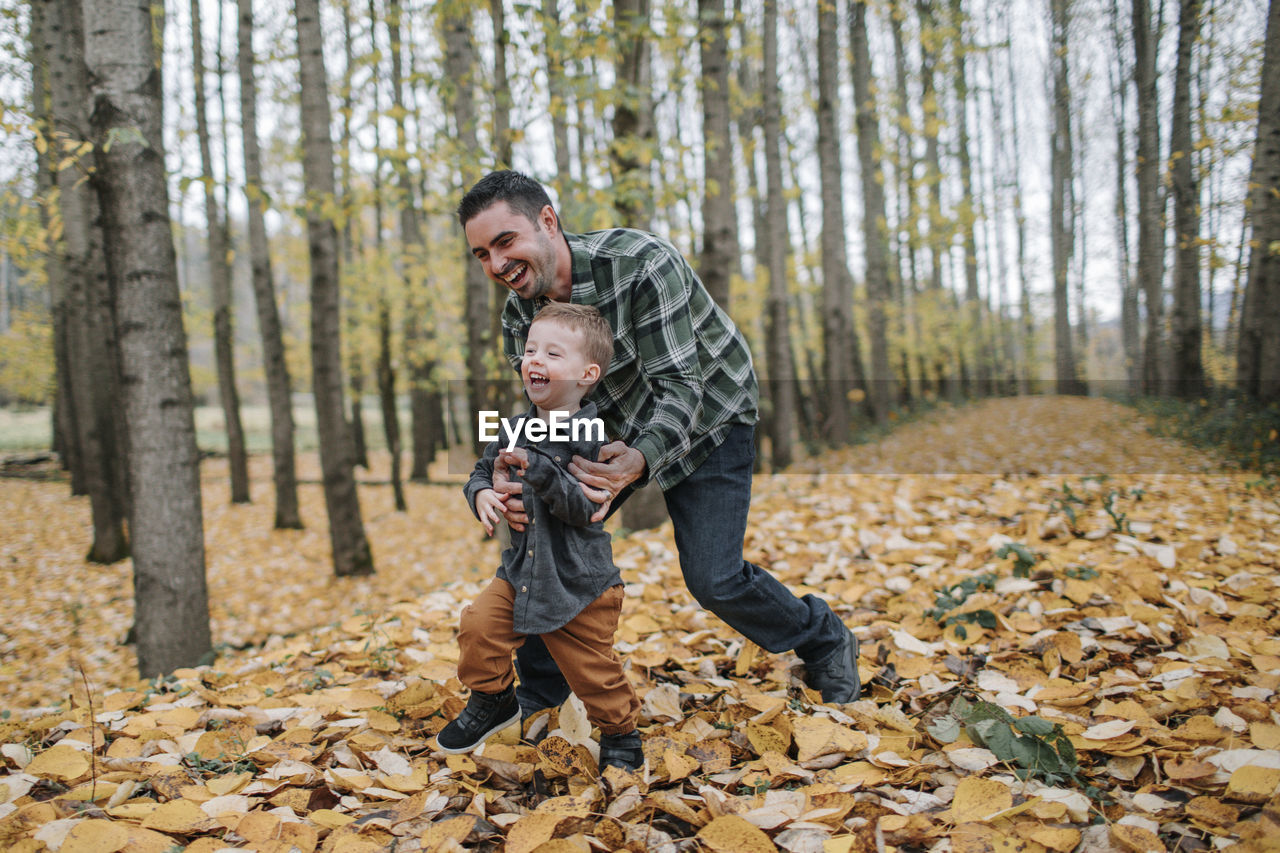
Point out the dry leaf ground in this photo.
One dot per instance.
(1045, 560)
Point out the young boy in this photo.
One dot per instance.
(557, 579)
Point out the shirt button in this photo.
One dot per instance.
(524, 589)
(530, 552)
(557, 458)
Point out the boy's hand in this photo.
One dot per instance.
(489, 506)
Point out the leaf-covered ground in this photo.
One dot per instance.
(1068, 628)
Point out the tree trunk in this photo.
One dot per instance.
(171, 610)
(874, 217)
(417, 329)
(907, 240)
(501, 86)
(1185, 327)
(1258, 359)
(967, 214)
(1150, 208)
(351, 554)
(1060, 230)
(1130, 329)
(460, 65)
(220, 279)
(837, 294)
(279, 384)
(632, 115)
(782, 371)
(719, 215)
(352, 241)
(560, 91)
(82, 265)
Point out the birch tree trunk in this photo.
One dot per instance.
(220, 281)
(279, 384)
(1187, 376)
(1131, 332)
(1258, 359)
(719, 215)
(171, 610)
(874, 217)
(351, 554)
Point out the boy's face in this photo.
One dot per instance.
(555, 371)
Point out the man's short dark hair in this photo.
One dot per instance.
(525, 196)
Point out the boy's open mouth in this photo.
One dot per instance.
(538, 380)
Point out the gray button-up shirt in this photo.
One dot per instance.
(560, 562)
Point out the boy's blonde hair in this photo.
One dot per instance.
(597, 337)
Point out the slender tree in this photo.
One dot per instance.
(720, 255)
(1150, 204)
(171, 604)
(874, 217)
(1185, 325)
(270, 329)
(838, 339)
(350, 235)
(220, 279)
(351, 554)
(777, 238)
(633, 125)
(555, 43)
(1131, 332)
(1258, 358)
(1060, 229)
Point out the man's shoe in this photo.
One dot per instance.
(485, 714)
(836, 678)
(622, 750)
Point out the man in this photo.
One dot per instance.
(680, 395)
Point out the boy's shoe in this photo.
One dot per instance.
(485, 714)
(836, 678)
(622, 750)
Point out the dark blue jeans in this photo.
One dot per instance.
(709, 513)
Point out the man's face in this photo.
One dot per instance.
(513, 251)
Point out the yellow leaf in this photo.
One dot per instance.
(1253, 784)
(455, 829)
(180, 817)
(1058, 839)
(96, 836)
(530, 831)
(732, 834)
(60, 762)
(976, 800)
(1136, 839)
(818, 736)
(765, 739)
(679, 765)
(329, 819)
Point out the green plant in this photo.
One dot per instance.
(1034, 746)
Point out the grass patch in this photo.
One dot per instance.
(1245, 432)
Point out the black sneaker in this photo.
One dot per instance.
(622, 750)
(836, 678)
(485, 714)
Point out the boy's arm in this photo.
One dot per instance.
(559, 489)
(481, 476)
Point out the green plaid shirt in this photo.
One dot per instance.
(681, 373)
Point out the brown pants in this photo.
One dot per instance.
(583, 649)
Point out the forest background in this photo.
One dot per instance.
(899, 203)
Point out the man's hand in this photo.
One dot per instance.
(510, 490)
(618, 467)
(517, 458)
